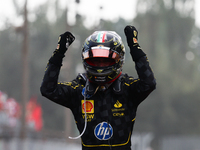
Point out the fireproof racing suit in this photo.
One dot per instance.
(110, 112)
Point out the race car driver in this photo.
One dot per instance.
(103, 100)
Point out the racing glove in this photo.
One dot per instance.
(132, 41)
(64, 41)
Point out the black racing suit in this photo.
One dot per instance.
(111, 112)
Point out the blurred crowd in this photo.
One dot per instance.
(10, 115)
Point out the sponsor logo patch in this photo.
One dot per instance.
(117, 104)
(89, 105)
(135, 40)
(58, 46)
(99, 70)
(118, 110)
(103, 131)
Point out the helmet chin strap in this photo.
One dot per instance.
(105, 83)
(115, 78)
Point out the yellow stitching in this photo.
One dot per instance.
(69, 84)
(133, 120)
(107, 144)
(127, 84)
(131, 82)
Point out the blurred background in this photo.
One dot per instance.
(169, 33)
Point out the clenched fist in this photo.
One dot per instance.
(131, 35)
(64, 41)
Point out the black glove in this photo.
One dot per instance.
(131, 35)
(132, 40)
(64, 41)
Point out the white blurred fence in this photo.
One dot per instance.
(139, 142)
(180, 143)
(32, 144)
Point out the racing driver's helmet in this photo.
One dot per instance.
(103, 56)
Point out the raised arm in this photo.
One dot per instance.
(146, 82)
(50, 88)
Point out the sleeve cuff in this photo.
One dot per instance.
(57, 59)
(136, 53)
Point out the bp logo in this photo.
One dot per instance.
(103, 131)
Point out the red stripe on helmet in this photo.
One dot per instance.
(103, 38)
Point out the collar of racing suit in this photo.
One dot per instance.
(92, 88)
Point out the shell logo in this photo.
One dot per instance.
(89, 105)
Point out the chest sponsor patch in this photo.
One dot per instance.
(89, 105)
(117, 104)
(103, 131)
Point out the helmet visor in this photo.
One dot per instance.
(100, 62)
(103, 52)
